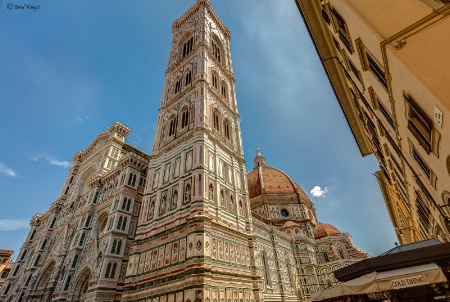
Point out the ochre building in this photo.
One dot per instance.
(387, 62)
(186, 223)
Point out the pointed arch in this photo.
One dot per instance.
(82, 285)
(46, 275)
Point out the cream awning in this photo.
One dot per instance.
(384, 281)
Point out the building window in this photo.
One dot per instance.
(419, 124)
(178, 85)
(187, 47)
(184, 118)
(342, 30)
(75, 260)
(354, 70)
(66, 286)
(386, 113)
(214, 80)
(325, 257)
(188, 78)
(422, 164)
(223, 89)
(173, 125)
(216, 51)
(226, 127)
(376, 70)
(423, 212)
(216, 121)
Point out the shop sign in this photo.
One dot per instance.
(409, 281)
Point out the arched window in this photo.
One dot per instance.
(113, 271)
(66, 286)
(82, 238)
(75, 260)
(88, 221)
(32, 234)
(7, 288)
(187, 47)
(23, 254)
(216, 120)
(119, 247)
(53, 223)
(124, 203)
(108, 270)
(226, 127)
(124, 224)
(216, 50)
(178, 84)
(119, 223)
(188, 78)
(173, 125)
(38, 258)
(128, 204)
(113, 248)
(184, 118)
(223, 89)
(44, 244)
(134, 180)
(16, 270)
(214, 80)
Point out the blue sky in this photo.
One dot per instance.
(69, 69)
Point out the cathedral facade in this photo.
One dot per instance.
(186, 223)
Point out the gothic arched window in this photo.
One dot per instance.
(216, 51)
(216, 120)
(187, 47)
(325, 257)
(226, 129)
(178, 84)
(214, 80)
(173, 125)
(188, 78)
(184, 118)
(223, 89)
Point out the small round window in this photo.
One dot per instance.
(284, 213)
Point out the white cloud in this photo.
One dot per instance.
(51, 160)
(82, 118)
(7, 171)
(13, 224)
(318, 191)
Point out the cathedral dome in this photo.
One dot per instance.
(265, 181)
(324, 229)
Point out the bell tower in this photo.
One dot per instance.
(194, 240)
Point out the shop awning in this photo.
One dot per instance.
(384, 281)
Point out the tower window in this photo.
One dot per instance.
(173, 126)
(214, 80)
(187, 47)
(188, 78)
(178, 84)
(216, 121)
(184, 118)
(223, 89)
(216, 51)
(226, 126)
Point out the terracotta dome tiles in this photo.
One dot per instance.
(324, 229)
